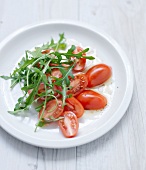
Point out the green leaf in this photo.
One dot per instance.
(89, 57)
(60, 45)
(61, 37)
(6, 77)
(40, 124)
(14, 82)
(21, 99)
(65, 76)
(26, 55)
(70, 51)
(16, 112)
(22, 65)
(84, 51)
(26, 88)
(44, 79)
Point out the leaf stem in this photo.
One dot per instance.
(31, 67)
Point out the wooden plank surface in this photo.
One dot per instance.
(124, 147)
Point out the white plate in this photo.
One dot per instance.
(14, 46)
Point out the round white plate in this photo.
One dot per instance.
(13, 47)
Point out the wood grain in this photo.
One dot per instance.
(124, 147)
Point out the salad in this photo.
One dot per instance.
(54, 77)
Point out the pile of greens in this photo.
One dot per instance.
(29, 75)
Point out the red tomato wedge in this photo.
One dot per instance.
(69, 125)
(56, 73)
(72, 104)
(46, 51)
(98, 74)
(78, 50)
(78, 84)
(41, 88)
(53, 64)
(92, 100)
(53, 108)
(80, 63)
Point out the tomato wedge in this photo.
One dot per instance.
(69, 125)
(56, 73)
(72, 104)
(46, 51)
(41, 88)
(78, 50)
(78, 84)
(80, 63)
(92, 100)
(53, 108)
(98, 74)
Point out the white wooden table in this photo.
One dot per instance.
(124, 147)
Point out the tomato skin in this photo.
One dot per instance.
(41, 88)
(53, 64)
(80, 63)
(72, 104)
(98, 74)
(69, 125)
(46, 51)
(78, 50)
(50, 111)
(92, 100)
(78, 84)
(56, 73)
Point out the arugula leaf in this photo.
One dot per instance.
(6, 77)
(14, 82)
(22, 65)
(26, 88)
(15, 112)
(65, 76)
(70, 51)
(70, 54)
(60, 44)
(62, 38)
(40, 123)
(52, 45)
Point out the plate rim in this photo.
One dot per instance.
(106, 126)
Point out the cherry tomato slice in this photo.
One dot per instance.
(69, 125)
(98, 74)
(53, 108)
(78, 50)
(78, 84)
(72, 104)
(41, 88)
(55, 90)
(56, 73)
(46, 51)
(80, 63)
(92, 100)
